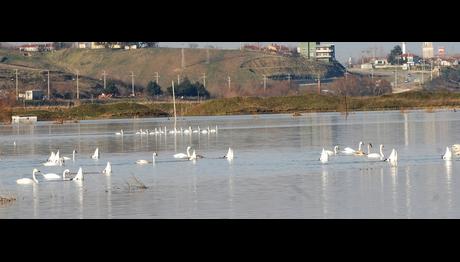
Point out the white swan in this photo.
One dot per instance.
(51, 157)
(229, 154)
(324, 158)
(193, 156)
(330, 153)
(96, 154)
(28, 181)
(108, 169)
(447, 155)
(144, 162)
(393, 158)
(53, 176)
(79, 175)
(349, 150)
(73, 156)
(57, 162)
(119, 133)
(375, 155)
(182, 155)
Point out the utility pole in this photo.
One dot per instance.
(289, 80)
(178, 79)
(204, 80)
(423, 69)
(157, 77)
(431, 70)
(17, 92)
(396, 76)
(183, 60)
(48, 85)
(229, 81)
(319, 84)
(265, 83)
(78, 90)
(105, 82)
(132, 84)
(174, 104)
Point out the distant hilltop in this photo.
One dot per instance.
(220, 69)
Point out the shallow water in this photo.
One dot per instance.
(275, 173)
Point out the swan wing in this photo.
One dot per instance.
(180, 155)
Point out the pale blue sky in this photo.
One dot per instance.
(343, 49)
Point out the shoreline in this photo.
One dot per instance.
(312, 103)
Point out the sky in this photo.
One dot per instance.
(344, 50)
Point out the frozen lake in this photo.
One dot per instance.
(275, 173)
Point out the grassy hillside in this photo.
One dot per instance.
(245, 68)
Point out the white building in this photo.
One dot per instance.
(427, 50)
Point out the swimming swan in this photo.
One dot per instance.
(119, 133)
(193, 156)
(182, 155)
(108, 169)
(144, 162)
(349, 150)
(28, 181)
(448, 154)
(79, 175)
(229, 154)
(393, 158)
(330, 153)
(324, 158)
(375, 155)
(73, 156)
(96, 154)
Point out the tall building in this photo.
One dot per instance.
(317, 51)
(404, 48)
(427, 50)
(308, 49)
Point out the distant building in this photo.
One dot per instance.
(427, 50)
(325, 52)
(36, 47)
(93, 45)
(317, 51)
(29, 48)
(34, 95)
(441, 51)
(308, 49)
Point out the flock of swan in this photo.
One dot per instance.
(392, 158)
(56, 160)
(164, 131)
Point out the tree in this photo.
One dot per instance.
(395, 55)
(188, 89)
(111, 88)
(154, 89)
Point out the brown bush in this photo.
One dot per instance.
(7, 101)
(360, 86)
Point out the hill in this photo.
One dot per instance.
(245, 68)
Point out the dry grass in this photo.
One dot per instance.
(7, 200)
(135, 184)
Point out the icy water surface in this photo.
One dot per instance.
(275, 173)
